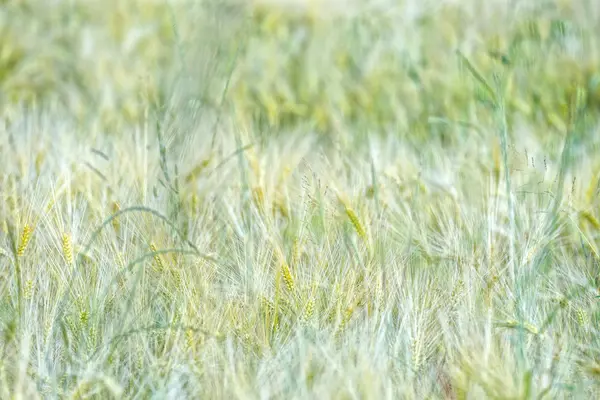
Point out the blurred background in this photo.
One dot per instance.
(335, 67)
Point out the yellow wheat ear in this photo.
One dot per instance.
(67, 248)
(116, 207)
(39, 161)
(354, 220)
(25, 238)
(157, 258)
(296, 251)
(360, 231)
(287, 277)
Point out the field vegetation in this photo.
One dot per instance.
(337, 199)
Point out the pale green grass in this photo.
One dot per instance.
(381, 200)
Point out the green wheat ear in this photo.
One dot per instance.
(309, 310)
(417, 353)
(28, 290)
(582, 317)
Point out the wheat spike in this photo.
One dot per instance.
(417, 354)
(157, 258)
(25, 238)
(116, 207)
(582, 317)
(50, 204)
(354, 220)
(84, 317)
(120, 259)
(67, 248)
(457, 292)
(346, 316)
(296, 251)
(39, 161)
(309, 309)
(28, 292)
(267, 305)
(360, 231)
(513, 324)
(496, 161)
(258, 196)
(92, 339)
(589, 217)
(189, 339)
(197, 170)
(194, 204)
(287, 277)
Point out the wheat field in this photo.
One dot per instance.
(377, 199)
